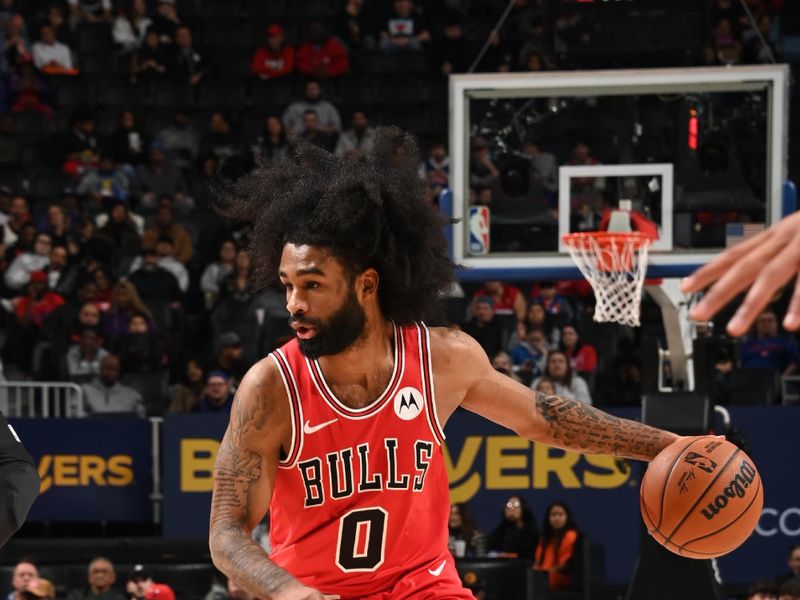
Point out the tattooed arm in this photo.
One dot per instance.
(244, 476)
(464, 376)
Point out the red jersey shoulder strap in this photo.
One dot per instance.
(295, 406)
(426, 367)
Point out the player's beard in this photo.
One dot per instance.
(337, 333)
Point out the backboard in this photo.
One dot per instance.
(700, 151)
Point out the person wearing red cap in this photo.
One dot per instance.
(276, 59)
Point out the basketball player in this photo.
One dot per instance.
(19, 482)
(764, 263)
(340, 431)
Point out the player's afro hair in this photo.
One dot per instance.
(370, 212)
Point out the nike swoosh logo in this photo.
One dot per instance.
(438, 570)
(308, 429)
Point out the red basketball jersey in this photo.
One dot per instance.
(362, 497)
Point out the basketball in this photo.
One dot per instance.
(701, 497)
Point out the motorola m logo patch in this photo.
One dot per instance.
(408, 403)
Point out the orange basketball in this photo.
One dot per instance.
(701, 497)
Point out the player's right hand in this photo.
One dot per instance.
(765, 263)
(298, 591)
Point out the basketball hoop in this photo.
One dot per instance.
(615, 264)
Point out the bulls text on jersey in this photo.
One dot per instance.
(347, 471)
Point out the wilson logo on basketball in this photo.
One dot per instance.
(735, 489)
(701, 462)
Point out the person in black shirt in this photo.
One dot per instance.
(517, 534)
(19, 482)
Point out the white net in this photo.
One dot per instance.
(615, 265)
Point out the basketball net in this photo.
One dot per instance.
(614, 262)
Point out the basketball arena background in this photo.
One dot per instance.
(117, 114)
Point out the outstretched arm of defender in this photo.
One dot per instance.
(554, 420)
(244, 477)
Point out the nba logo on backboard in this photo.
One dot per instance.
(479, 230)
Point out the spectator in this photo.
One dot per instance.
(100, 577)
(544, 166)
(39, 589)
(180, 140)
(188, 64)
(125, 304)
(272, 141)
(790, 590)
(142, 587)
(24, 572)
(530, 355)
(546, 386)
(556, 305)
(131, 25)
(155, 284)
(727, 43)
(161, 177)
(89, 11)
(501, 362)
(218, 397)
(185, 395)
(276, 58)
(165, 250)
(140, 350)
(106, 395)
(793, 560)
(105, 180)
(228, 357)
(329, 120)
(768, 350)
(19, 271)
(582, 356)
(79, 146)
(16, 48)
(509, 303)
(150, 61)
(567, 383)
(763, 590)
(452, 53)
(482, 171)
(485, 327)
(30, 311)
(354, 26)
(537, 318)
(61, 276)
(463, 528)
(28, 90)
(166, 21)
(57, 225)
(24, 243)
(585, 192)
(103, 285)
(126, 146)
(83, 358)
(312, 133)
(215, 273)
(436, 168)
(238, 287)
(56, 17)
(322, 56)
(51, 56)
(120, 229)
(516, 535)
(356, 142)
(165, 225)
(220, 141)
(556, 547)
(404, 28)
(18, 215)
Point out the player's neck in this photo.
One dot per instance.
(362, 371)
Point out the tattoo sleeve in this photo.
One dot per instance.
(577, 426)
(237, 472)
